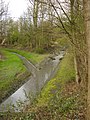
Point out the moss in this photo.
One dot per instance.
(60, 99)
(66, 73)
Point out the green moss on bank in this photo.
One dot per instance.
(61, 98)
(66, 73)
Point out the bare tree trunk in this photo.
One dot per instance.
(3, 21)
(87, 30)
(80, 58)
(35, 13)
(35, 21)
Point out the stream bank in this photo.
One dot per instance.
(13, 74)
(60, 99)
(34, 85)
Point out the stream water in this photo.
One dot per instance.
(26, 93)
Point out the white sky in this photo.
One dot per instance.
(16, 7)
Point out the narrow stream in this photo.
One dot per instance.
(26, 93)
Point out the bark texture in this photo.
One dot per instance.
(87, 26)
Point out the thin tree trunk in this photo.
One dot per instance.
(35, 21)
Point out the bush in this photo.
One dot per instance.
(40, 50)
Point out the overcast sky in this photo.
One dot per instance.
(16, 7)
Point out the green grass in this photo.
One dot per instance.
(33, 57)
(12, 71)
(9, 68)
(60, 99)
(66, 73)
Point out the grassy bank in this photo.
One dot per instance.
(12, 71)
(33, 57)
(60, 99)
(65, 74)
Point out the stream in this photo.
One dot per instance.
(27, 92)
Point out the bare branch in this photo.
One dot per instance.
(63, 11)
(60, 19)
(31, 2)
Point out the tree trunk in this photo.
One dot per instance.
(80, 59)
(86, 4)
(35, 13)
(35, 21)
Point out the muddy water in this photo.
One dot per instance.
(26, 93)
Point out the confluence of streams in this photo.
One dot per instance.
(18, 100)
